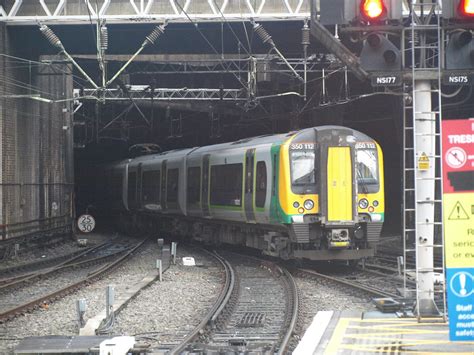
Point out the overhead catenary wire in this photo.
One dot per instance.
(150, 39)
(44, 63)
(267, 39)
(55, 41)
(206, 40)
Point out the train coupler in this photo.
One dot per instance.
(338, 239)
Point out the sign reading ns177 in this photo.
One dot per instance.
(458, 206)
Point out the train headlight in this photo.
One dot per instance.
(308, 204)
(363, 203)
(296, 204)
(375, 203)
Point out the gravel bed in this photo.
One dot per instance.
(187, 285)
(69, 246)
(60, 317)
(11, 298)
(318, 295)
(166, 312)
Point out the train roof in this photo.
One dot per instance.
(244, 143)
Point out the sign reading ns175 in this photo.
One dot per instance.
(458, 79)
(86, 223)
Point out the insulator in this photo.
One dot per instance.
(51, 36)
(154, 35)
(263, 34)
(305, 35)
(104, 38)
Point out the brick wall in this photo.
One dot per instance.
(36, 176)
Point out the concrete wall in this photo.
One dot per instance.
(36, 175)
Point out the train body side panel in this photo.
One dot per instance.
(339, 184)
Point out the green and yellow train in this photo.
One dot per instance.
(317, 193)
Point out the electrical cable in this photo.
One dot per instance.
(205, 39)
(60, 68)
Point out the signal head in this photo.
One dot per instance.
(466, 8)
(373, 10)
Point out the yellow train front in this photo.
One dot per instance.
(330, 193)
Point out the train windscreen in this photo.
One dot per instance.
(367, 170)
(303, 175)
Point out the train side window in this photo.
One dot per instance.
(151, 187)
(132, 189)
(194, 185)
(226, 185)
(172, 185)
(261, 184)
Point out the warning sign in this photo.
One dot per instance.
(459, 230)
(458, 213)
(458, 155)
(423, 162)
(458, 205)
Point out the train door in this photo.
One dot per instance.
(205, 186)
(249, 185)
(139, 186)
(339, 184)
(163, 185)
(132, 189)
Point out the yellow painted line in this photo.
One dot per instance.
(365, 349)
(399, 331)
(337, 336)
(395, 320)
(388, 331)
(414, 341)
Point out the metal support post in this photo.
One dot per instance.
(109, 300)
(174, 246)
(425, 140)
(400, 262)
(159, 267)
(161, 243)
(81, 307)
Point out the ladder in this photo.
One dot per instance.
(422, 164)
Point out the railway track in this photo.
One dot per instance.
(366, 282)
(41, 289)
(27, 272)
(249, 312)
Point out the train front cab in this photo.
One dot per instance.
(331, 193)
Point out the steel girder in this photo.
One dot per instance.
(29, 12)
(145, 93)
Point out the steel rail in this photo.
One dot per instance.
(41, 263)
(13, 312)
(294, 311)
(352, 284)
(15, 281)
(211, 317)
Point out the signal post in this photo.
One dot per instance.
(416, 60)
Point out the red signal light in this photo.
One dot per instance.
(466, 8)
(373, 9)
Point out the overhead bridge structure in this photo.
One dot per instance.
(24, 12)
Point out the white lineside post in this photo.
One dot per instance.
(159, 266)
(425, 140)
(173, 252)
